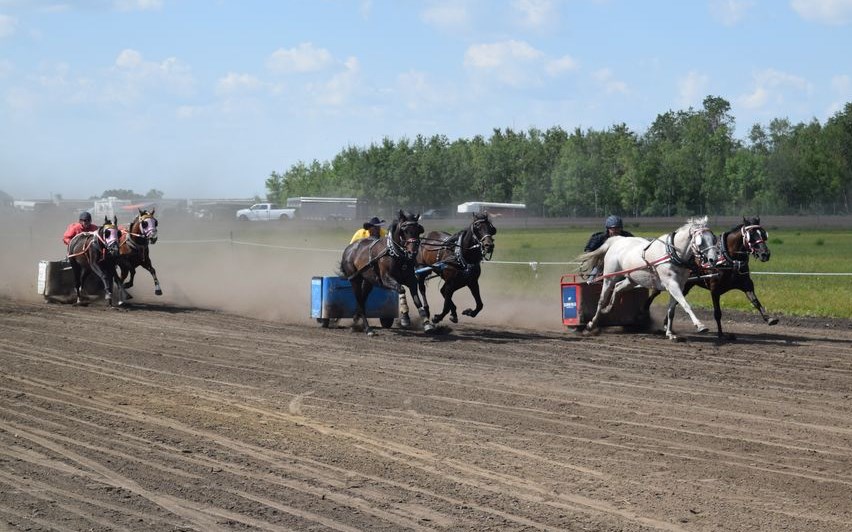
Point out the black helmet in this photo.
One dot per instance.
(613, 221)
(85, 216)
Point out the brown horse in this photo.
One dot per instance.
(96, 252)
(134, 248)
(737, 245)
(457, 260)
(387, 262)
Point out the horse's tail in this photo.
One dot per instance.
(594, 259)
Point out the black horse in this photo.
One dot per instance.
(97, 253)
(134, 248)
(737, 245)
(457, 260)
(387, 262)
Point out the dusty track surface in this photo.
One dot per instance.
(164, 417)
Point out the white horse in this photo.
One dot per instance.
(659, 264)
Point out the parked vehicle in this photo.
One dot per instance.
(264, 212)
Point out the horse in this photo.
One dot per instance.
(388, 262)
(731, 272)
(134, 248)
(96, 252)
(457, 260)
(659, 264)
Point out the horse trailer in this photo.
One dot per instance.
(316, 208)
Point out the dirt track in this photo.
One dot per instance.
(171, 418)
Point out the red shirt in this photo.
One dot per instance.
(75, 229)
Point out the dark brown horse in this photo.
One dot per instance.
(134, 248)
(96, 252)
(387, 262)
(737, 245)
(457, 260)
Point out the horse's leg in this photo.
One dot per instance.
(421, 287)
(78, 272)
(473, 284)
(411, 284)
(105, 280)
(404, 318)
(617, 288)
(717, 315)
(669, 323)
(606, 292)
(674, 290)
(447, 290)
(748, 288)
(150, 267)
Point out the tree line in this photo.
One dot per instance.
(687, 163)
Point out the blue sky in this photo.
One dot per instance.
(205, 98)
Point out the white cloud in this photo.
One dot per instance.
(234, 82)
(418, 92)
(513, 63)
(447, 16)
(771, 86)
(831, 12)
(563, 64)
(729, 12)
(136, 76)
(841, 84)
(20, 100)
(338, 90)
(611, 85)
(7, 25)
(692, 88)
(303, 58)
(536, 13)
(138, 5)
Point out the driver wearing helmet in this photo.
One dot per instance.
(84, 225)
(613, 226)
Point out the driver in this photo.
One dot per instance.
(613, 226)
(83, 225)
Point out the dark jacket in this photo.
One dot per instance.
(597, 239)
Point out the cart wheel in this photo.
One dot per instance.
(387, 323)
(323, 322)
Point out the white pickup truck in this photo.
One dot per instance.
(265, 212)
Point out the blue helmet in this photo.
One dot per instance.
(613, 221)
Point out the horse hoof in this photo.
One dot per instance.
(454, 319)
(702, 329)
(773, 321)
(371, 332)
(158, 292)
(404, 321)
(468, 312)
(428, 326)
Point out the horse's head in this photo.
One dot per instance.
(406, 234)
(703, 243)
(147, 225)
(109, 235)
(754, 238)
(483, 230)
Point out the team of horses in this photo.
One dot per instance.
(676, 262)
(113, 253)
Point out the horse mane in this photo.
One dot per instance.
(697, 223)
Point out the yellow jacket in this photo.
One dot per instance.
(365, 233)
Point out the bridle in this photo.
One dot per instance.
(752, 244)
(405, 249)
(485, 250)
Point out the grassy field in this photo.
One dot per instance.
(530, 263)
